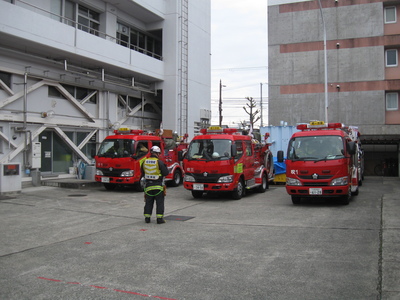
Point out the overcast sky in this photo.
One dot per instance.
(239, 58)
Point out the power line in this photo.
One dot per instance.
(241, 68)
(237, 99)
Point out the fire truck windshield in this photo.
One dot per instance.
(210, 149)
(116, 148)
(316, 148)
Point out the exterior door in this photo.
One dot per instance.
(46, 138)
(56, 154)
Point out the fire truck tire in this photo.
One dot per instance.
(110, 186)
(238, 193)
(345, 200)
(176, 178)
(264, 185)
(296, 200)
(197, 194)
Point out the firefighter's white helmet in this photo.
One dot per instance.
(215, 155)
(155, 149)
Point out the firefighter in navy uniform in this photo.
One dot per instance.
(154, 171)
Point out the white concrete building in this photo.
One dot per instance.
(71, 71)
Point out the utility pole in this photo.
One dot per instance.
(220, 102)
(261, 105)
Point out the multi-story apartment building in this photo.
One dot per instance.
(362, 84)
(71, 71)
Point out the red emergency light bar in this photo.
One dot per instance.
(128, 131)
(230, 130)
(319, 125)
(217, 129)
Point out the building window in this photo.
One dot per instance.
(123, 35)
(392, 101)
(133, 102)
(77, 15)
(6, 79)
(88, 20)
(90, 147)
(391, 58)
(69, 13)
(139, 41)
(390, 15)
(79, 93)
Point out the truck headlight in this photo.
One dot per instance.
(127, 173)
(292, 181)
(99, 172)
(225, 179)
(189, 178)
(340, 181)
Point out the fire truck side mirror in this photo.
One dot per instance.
(181, 155)
(351, 148)
(280, 155)
(233, 150)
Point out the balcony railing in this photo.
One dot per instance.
(90, 30)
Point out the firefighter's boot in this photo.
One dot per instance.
(160, 221)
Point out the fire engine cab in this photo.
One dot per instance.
(120, 156)
(222, 160)
(323, 161)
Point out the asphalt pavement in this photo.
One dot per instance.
(90, 243)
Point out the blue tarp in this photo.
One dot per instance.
(280, 168)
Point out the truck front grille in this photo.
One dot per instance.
(320, 177)
(315, 183)
(113, 172)
(207, 177)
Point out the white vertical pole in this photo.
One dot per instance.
(325, 64)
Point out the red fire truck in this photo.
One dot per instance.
(323, 160)
(120, 156)
(221, 160)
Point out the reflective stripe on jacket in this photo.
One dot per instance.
(151, 168)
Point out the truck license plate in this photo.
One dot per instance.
(315, 191)
(198, 186)
(105, 179)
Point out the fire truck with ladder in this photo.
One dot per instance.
(323, 160)
(119, 159)
(224, 160)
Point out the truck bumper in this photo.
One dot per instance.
(116, 180)
(197, 186)
(318, 191)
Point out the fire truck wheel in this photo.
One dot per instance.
(296, 199)
(197, 194)
(345, 200)
(176, 179)
(264, 185)
(110, 186)
(238, 193)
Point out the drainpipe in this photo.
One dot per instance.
(142, 120)
(23, 129)
(26, 159)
